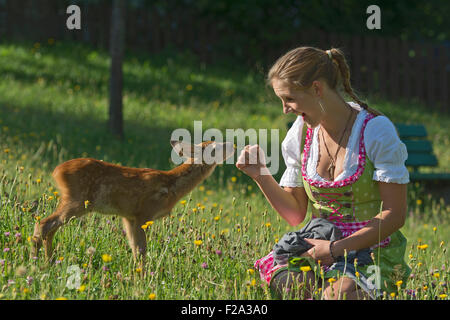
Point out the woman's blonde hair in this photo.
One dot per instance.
(299, 67)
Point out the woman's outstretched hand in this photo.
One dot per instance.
(252, 161)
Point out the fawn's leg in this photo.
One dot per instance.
(45, 229)
(136, 238)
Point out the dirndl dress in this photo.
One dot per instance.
(350, 204)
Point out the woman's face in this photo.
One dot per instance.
(300, 102)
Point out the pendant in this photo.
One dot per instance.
(331, 171)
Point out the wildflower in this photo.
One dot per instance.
(198, 242)
(434, 229)
(410, 256)
(6, 250)
(138, 270)
(218, 252)
(419, 202)
(216, 218)
(194, 210)
(392, 294)
(106, 258)
(443, 296)
(201, 188)
(61, 298)
(305, 268)
(26, 290)
(357, 274)
(86, 203)
(204, 265)
(152, 296)
(189, 87)
(399, 283)
(38, 180)
(436, 275)
(250, 271)
(144, 226)
(425, 287)
(422, 247)
(90, 251)
(82, 288)
(331, 280)
(268, 224)
(183, 202)
(214, 205)
(233, 179)
(7, 233)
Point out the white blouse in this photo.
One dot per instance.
(383, 147)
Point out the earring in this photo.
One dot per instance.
(321, 106)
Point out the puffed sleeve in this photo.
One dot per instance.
(290, 149)
(387, 152)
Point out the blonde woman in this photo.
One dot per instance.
(347, 166)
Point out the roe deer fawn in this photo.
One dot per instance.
(137, 195)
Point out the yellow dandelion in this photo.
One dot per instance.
(392, 294)
(61, 298)
(425, 287)
(209, 192)
(183, 202)
(6, 150)
(152, 296)
(26, 290)
(37, 218)
(84, 265)
(214, 205)
(86, 203)
(443, 296)
(38, 180)
(250, 271)
(357, 274)
(399, 283)
(419, 202)
(233, 179)
(268, 224)
(422, 247)
(201, 188)
(410, 256)
(144, 226)
(138, 270)
(198, 242)
(253, 283)
(419, 264)
(50, 198)
(216, 218)
(434, 229)
(189, 87)
(331, 280)
(194, 210)
(106, 257)
(436, 275)
(55, 193)
(82, 288)
(305, 268)
(61, 258)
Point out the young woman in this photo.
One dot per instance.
(348, 168)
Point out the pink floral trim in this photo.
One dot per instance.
(341, 183)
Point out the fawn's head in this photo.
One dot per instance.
(208, 152)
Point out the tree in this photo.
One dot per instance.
(117, 43)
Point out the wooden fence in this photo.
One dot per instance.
(388, 67)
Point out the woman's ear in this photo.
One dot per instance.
(317, 88)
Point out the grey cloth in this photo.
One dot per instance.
(292, 244)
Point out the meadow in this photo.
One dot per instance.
(53, 107)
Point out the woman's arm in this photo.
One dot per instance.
(290, 203)
(379, 228)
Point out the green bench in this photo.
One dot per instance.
(420, 152)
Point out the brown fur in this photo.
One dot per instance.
(137, 195)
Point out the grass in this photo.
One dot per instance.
(53, 107)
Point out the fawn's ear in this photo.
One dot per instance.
(183, 149)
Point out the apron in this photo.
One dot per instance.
(350, 204)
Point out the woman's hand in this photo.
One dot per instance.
(252, 161)
(320, 251)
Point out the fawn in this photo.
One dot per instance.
(137, 195)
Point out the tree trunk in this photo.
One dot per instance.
(116, 77)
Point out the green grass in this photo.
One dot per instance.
(53, 107)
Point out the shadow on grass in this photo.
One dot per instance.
(164, 76)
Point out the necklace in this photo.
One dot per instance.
(332, 165)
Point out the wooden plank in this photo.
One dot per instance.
(410, 131)
(382, 61)
(405, 70)
(421, 160)
(418, 146)
(417, 176)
